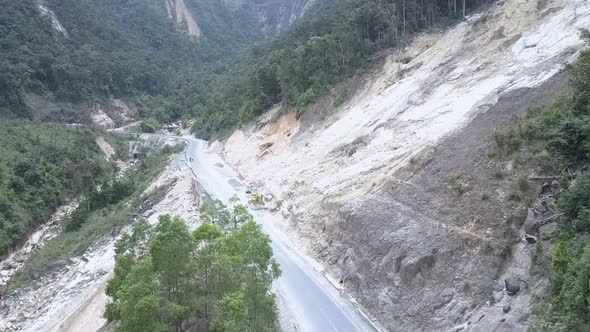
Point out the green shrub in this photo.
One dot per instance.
(509, 140)
(342, 97)
(458, 185)
(42, 166)
(150, 125)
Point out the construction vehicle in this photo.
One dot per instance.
(256, 201)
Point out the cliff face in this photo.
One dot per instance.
(273, 16)
(182, 17)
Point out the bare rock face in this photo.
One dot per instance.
(410, 268)
(512, 285)
(178, 12)
(274, 16)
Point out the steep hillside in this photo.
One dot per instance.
(85, 52)
(332, 42)
(179, 13)
(394, 190)
(276, 16)
(42, 167)
(172, 59)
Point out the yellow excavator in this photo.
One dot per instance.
(256, 201)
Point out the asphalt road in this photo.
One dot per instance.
(315, 303)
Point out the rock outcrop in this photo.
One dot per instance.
(274, 16)
(178, 12)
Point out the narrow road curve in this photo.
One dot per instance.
(315, 303)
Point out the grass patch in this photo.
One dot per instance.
(519, 189)
(342, 98)
(119, 143)
(459, 185)
(467, 286)
(510, 140)
(70, 244)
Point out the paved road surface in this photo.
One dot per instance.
(314, 302)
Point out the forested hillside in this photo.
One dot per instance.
(555, 139)
(109, 48)
(42, 166)
(131, 49)
(331, 43)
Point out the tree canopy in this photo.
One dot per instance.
(41, 167)
(218, 276)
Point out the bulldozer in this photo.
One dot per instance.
(256, 201)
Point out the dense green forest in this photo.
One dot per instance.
(556, 140)
(42, 166)
(219, 276)
(129, 49)
(112, 48)
(105, 207)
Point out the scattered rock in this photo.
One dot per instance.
(512, 285)
(498, 34)
(18, 258)
(8, 266)
(530, 239)
(56, 262)
(265, 146)
(498, 296)
(506, 308)
(444, 298)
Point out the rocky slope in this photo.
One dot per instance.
(178, 12)
(387, 190)
(274, 16)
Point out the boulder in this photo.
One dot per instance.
(498, 296)
(512, 285)
(34, 275)
(18, 258)
(443, 298)
(506, 308)
(410, 267)
(8, 266)
(56, 262)
(530, 239)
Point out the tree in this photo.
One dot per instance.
(220, 275)
(172, 251)
(231, 314)
(139, 308)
